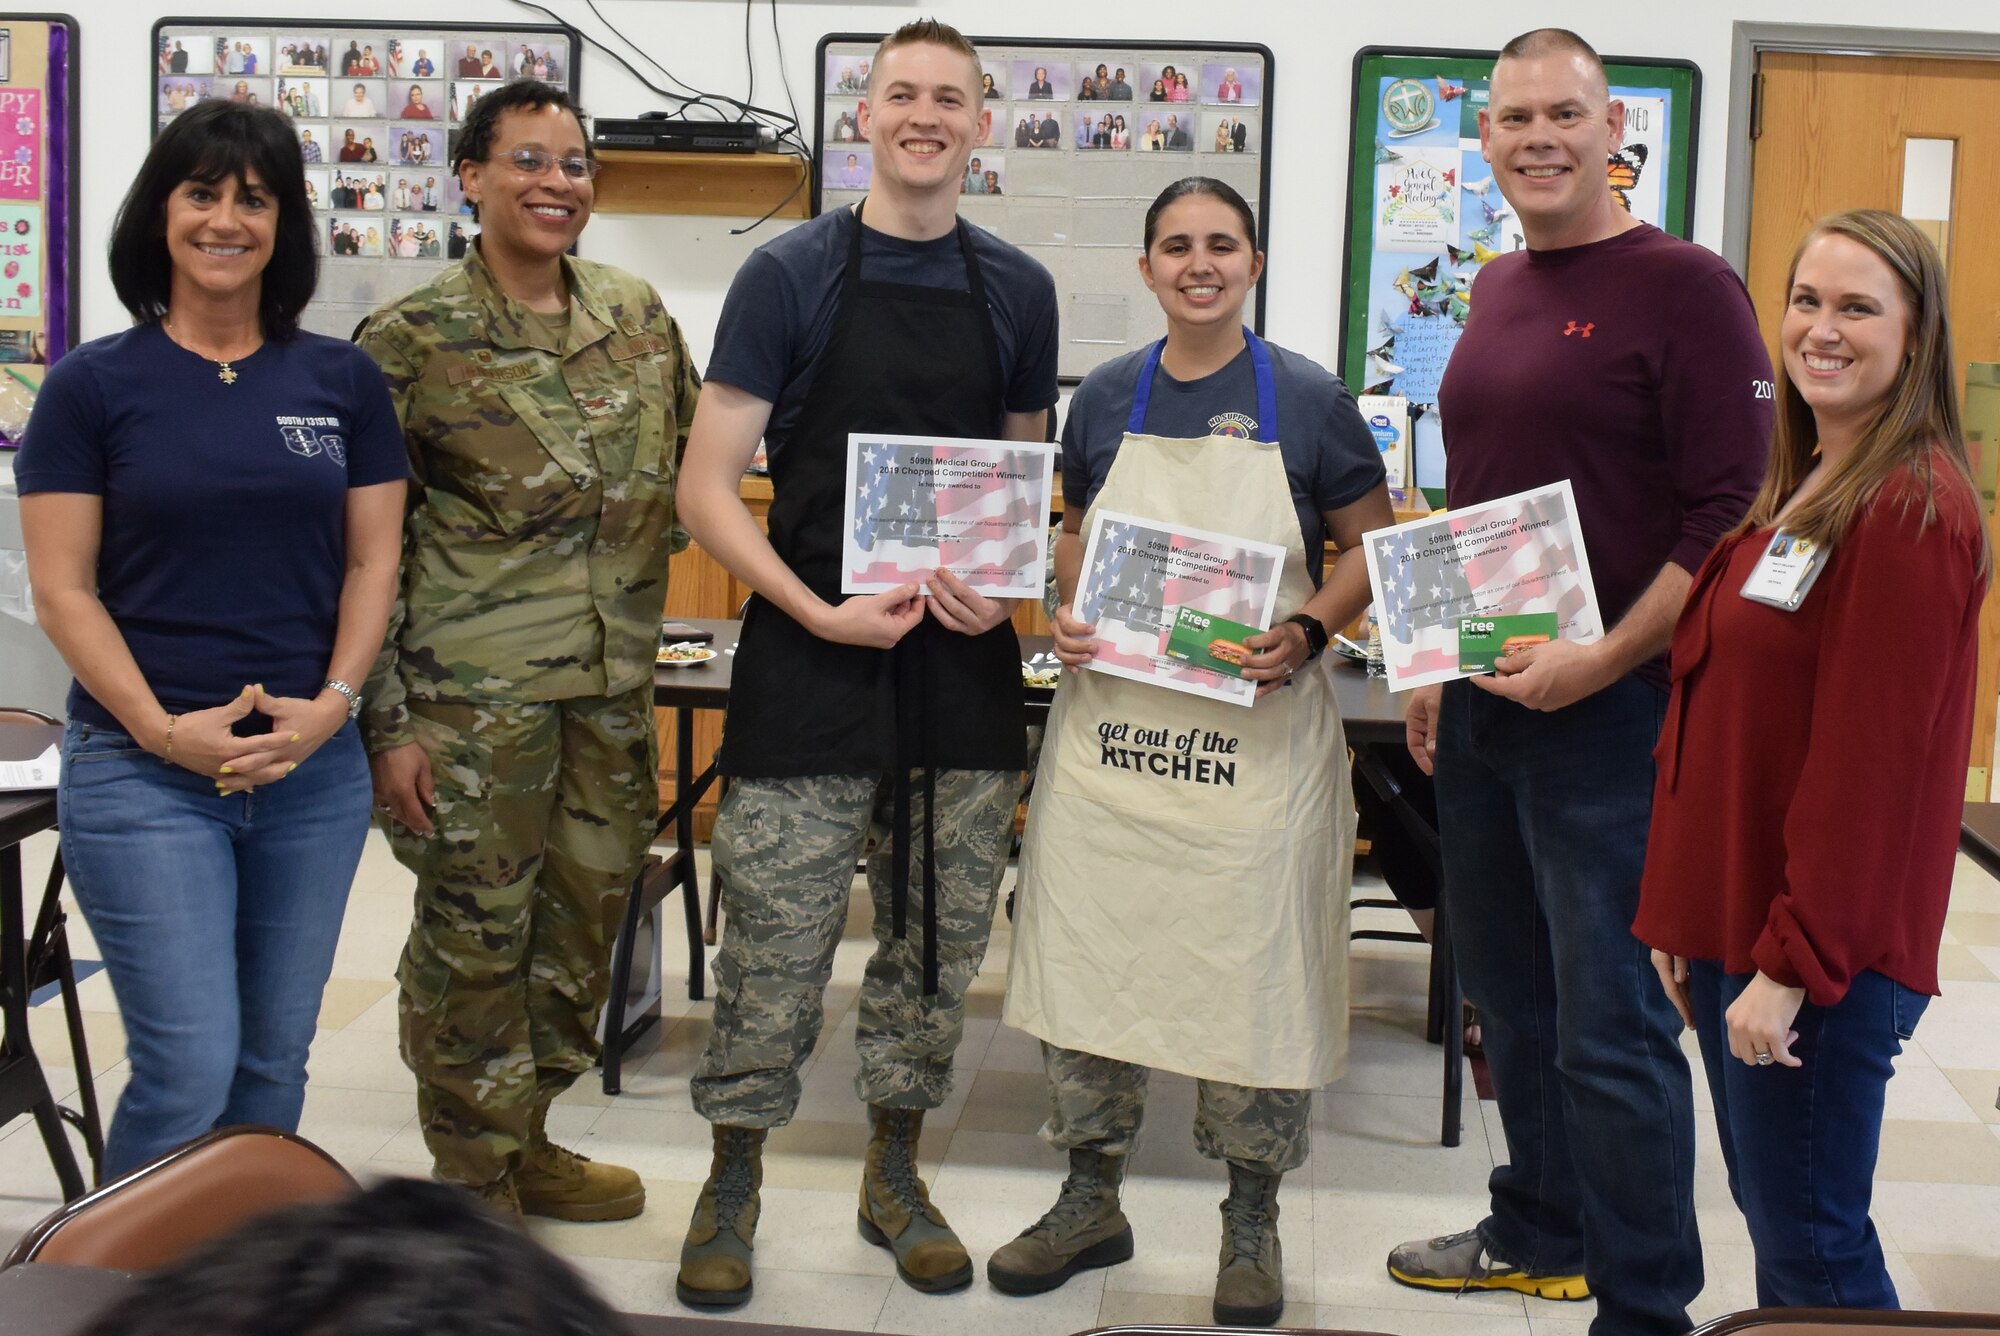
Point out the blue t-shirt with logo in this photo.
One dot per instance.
(1330, 456)
(224, 542)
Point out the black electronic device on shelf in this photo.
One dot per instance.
(676, 136)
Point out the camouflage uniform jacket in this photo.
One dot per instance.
(541, 516)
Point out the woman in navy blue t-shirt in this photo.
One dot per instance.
(212, 501)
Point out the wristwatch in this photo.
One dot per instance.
(354, 697)
(1316, 636)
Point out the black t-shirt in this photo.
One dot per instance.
(1331, 460)
(780, 310)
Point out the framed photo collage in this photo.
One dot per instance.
(376, 110)
(1085, 135)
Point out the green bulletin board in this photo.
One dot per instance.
(1424, 212)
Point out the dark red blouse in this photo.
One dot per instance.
(1812, 765)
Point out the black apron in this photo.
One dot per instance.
(906, 360)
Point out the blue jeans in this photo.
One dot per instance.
(1543, 818)
(217, 918)
(1800, 1142)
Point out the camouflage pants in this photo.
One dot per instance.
(785, 850)
(544, 812)
(1098, 1104)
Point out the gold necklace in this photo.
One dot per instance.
(224, 372)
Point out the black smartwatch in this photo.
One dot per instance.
(1316, 636)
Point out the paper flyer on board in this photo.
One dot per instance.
(979, 509)
(1138, 574)
(1519, 554)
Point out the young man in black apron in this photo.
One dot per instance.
(899, 711)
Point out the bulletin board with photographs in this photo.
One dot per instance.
(377, 108)
(1085, 135)
(38, 196)
(1424, 212)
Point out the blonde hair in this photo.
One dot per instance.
(1918, 422)
(931, 32)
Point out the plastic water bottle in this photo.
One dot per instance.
(1376, 668)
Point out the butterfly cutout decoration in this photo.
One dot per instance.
(1381, 368)
(1484, 234)
(1383, 153)
(1456, 255)
(1494, 215)
(1480, 187)
(1483, 254)
(1450, 92)
(1380, 387)
(1623, 168)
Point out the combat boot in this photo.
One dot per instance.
(1085, 1228)
(562, 1185)
(896, 1210)
(1250, 1279)
(715, 1259)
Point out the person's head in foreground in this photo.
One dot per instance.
(404, 1258)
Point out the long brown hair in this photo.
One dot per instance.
(1918, 422)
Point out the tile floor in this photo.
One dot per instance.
(1377, 1174)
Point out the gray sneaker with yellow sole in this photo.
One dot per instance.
(1459, 1262)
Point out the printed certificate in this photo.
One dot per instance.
(1137, 576)
(916, 504)
(1519, 554)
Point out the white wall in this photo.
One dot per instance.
(691, 259)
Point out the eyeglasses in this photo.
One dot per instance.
(529, 163)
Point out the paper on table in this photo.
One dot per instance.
(915, 504)
(40, 773)
(1520, 553)
(1137, 576)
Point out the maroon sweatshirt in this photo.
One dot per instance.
(1631, 366)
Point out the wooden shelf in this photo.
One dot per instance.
(733, 185)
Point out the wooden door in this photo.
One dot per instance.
(1830, 134)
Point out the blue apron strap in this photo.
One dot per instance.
(1143, 395)
(1260, 365)
(1267, 387)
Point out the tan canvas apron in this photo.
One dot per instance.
(1186, 917)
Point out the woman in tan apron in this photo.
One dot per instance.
(1194, 917)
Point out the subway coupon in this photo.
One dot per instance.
(1483, 640)
(1208, 641)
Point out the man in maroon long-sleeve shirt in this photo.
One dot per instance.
(1629, 362)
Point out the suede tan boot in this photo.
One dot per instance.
(896, 1211)
(1250, 1277)
(1085, 1228)
(715, 1259)
(562, 1185)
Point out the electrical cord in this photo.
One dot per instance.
(786, 131)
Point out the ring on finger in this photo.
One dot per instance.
(1764, 1058)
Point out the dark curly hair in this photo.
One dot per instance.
(405, 1258)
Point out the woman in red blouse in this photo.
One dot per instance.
(1812, 764)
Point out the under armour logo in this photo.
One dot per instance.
(1574, 328)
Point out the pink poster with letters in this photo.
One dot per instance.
(20, 143)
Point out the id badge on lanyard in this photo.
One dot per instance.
(1784, 574)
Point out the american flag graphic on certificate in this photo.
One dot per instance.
(1139, 573)
(979, 509)
(1521, 553)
